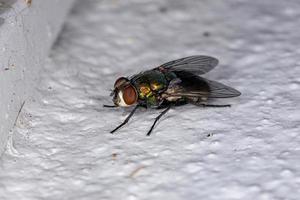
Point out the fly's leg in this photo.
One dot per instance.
(126, 120)
(214, 106)
(109, 106)
(199, 102)
(157, 118)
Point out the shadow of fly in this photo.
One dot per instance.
(171, 84)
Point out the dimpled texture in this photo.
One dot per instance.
(249, 151)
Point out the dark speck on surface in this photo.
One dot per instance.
(163, 9)
(209, 135)
(206, 34)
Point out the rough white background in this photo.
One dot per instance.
(27, 32)
(249, 151)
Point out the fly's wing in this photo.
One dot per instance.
(219, 90)
(191, 85)
(194, 64)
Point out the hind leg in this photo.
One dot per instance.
(213, 106)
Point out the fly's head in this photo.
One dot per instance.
(124, 93)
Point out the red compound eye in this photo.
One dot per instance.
(120, 81)
(129, 95)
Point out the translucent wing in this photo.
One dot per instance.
(194, 64)
(191, 85)
(219, 90)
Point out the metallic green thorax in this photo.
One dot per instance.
(150, 84)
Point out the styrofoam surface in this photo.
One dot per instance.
(249, 151)
(27, 30)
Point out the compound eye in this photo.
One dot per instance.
(120, 81)
(129, 95)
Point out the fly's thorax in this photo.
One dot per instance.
(148, 89)
(147, 94)
(144, 90)
(149, 84)
(170, 76)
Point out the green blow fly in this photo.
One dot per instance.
(171, 84)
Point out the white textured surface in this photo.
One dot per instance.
(253, 151)
(27, 32)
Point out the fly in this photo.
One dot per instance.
(171, 84)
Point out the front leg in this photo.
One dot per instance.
(109, 106)
(126, 120)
